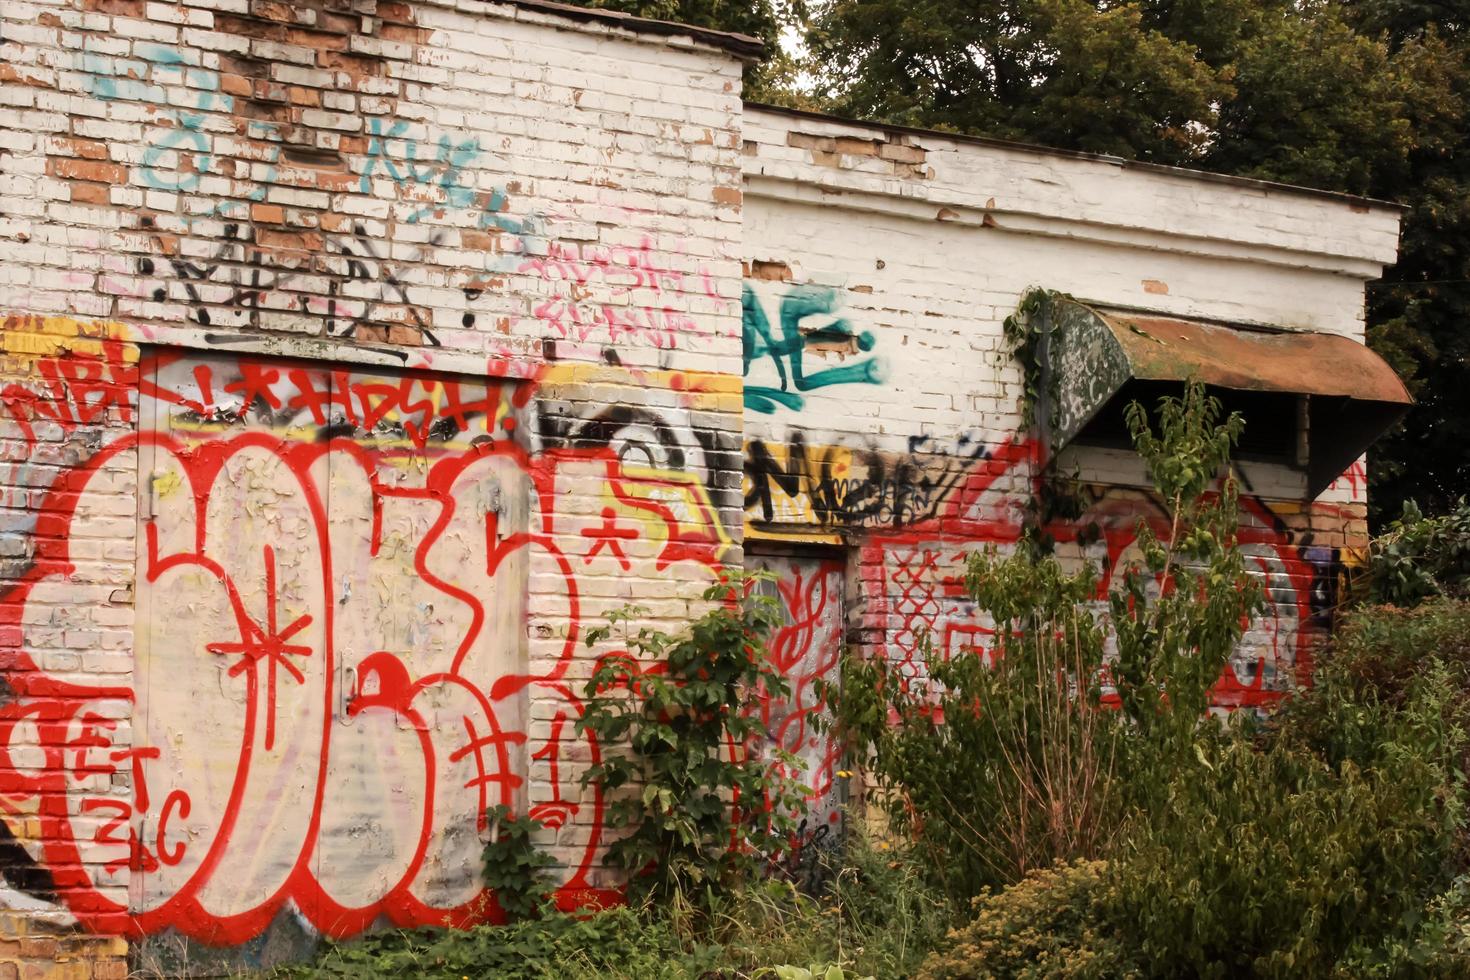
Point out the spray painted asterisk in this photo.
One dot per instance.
(268, 644)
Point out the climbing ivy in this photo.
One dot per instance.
(1030, 332)
(514, 868)
(682, 744)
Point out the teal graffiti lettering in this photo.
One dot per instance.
(442, 167)
(113, 79)
(788, 350)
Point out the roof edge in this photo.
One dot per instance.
(742, 46)
(1353, 200)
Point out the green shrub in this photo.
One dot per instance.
(1376, 651)
(513, 867)
(995, 769)
(1052, 924)
(701, 815)
(1419, 557)
(876, 916)
(618, 943)
(816, 971)
(1272, 858)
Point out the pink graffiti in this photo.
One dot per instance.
(615, 294)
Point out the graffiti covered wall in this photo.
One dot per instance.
(882, 418)
(358, 357)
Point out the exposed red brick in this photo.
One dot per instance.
(771, 271)
(483, 241)
(404, 335)
(289, 241)
(249, 27)
(86, 149)
(233, 84)
(857, 147)
(809, 141)
(395, 11)
(403, 32)
(727, 195)
(353, 64)
(319, 40)
(68, 167)
(902, 154)
(271, 10)
(9, 73)
(41, 947)
(337, 23)
(328, 180)
(84, 193)
(121, 8)
(371, 333)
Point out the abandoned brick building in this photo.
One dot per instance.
(360, 355)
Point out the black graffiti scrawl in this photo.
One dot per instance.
(857, 488)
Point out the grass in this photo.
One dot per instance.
(873, 915)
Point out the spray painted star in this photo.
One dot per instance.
(268, 644)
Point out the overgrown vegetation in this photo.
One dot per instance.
(876, 916)
(1418, 557)
(681, 748)
(1053, 923)
(1060, 804)
(1001, 764)
(1325, 843)
(514, 867)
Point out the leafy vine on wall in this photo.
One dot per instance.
(1031, 334)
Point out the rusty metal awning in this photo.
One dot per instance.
(1345, 396)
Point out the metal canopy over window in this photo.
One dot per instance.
(1312, 400)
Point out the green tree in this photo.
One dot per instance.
(1415, 315)
(771, 79)
(1062, 72)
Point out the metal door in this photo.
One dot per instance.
(805, 649)
(332, 579)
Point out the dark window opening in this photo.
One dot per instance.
(1272, 427)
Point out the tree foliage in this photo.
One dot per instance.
(773, 77)
(1363, 96)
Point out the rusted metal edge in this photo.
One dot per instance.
(1352, 200)
(743, 46)
(1170, 349)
